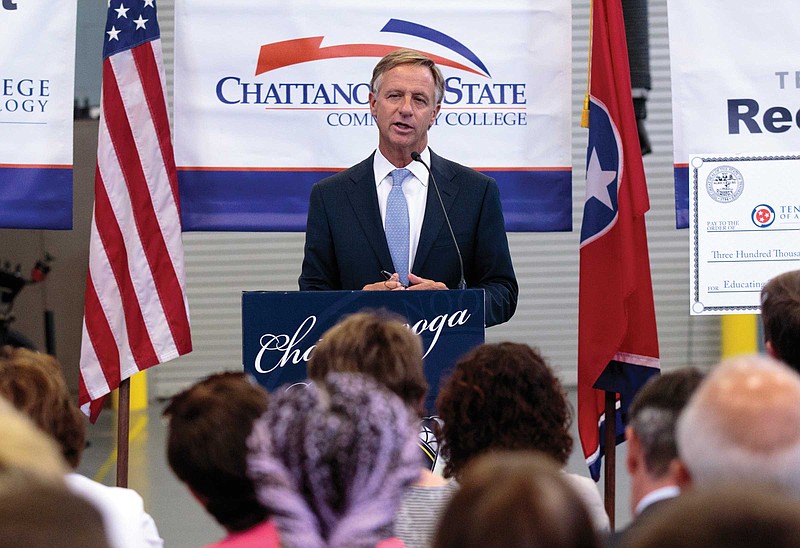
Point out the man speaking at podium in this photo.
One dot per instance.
(381, 225)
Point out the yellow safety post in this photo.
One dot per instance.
(138, 393)
(739, 334)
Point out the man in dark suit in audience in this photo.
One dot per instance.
(382, 215)
(652, 459)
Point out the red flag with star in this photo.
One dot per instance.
(617, 337)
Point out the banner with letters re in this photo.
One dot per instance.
(272, 96)
(281, 329)
(735, 82)
(37, 81)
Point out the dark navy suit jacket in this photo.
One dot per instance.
(346, 245)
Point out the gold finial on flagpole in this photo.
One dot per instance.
(585, 112)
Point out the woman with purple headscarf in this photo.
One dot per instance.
(331, 462)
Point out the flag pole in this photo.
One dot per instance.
(616, 313)
(610, 456)
(124, 330)
(123, 429)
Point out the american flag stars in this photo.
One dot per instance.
(129, 23)
(122, 11)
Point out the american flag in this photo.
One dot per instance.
(136, 314)
(617, 338)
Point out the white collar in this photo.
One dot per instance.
(662, 493)
(384, 167)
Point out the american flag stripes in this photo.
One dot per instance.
(136, 313)
(617, 338)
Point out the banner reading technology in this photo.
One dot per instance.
(37, 71)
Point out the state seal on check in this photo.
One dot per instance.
(725, 184)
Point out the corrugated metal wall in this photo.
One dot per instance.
(221, 265)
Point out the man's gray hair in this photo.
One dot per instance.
(655, 429)
(407, 57)
(744, 423)
(654, 413)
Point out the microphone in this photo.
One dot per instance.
(462, 284)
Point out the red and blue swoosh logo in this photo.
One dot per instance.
(303, 50)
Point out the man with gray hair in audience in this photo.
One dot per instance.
(743, 423)
(652, 457)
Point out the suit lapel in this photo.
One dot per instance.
(434, 218)
(363, 197)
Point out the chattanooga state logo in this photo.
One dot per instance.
(472, 96)
(763, 215)
(303, 50)
(724, 184)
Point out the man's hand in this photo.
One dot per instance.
(391, 284)
(415, 282)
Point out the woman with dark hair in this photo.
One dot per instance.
(209, 424)
(331, 461)
(515, 499)
(504, 397)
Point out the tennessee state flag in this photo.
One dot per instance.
(617, 337)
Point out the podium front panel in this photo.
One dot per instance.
(281, 329)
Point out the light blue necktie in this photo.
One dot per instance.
(397, 226)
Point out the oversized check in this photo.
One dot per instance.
(744, 228)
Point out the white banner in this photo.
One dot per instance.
(37, 78)
(735, 81)
(271, 96)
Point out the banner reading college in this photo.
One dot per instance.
(273, 96)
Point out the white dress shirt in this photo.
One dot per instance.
(415, 190)
(126, 523)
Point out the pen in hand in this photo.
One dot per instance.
(388, 276)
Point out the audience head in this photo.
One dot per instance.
(209, 424)
(744, 422)
(377, 344)
(407, 57)
(331, 461)
(26, 449)
(652, 416)
(745, 516)
(780, 315)
(515, 499)
(36, 510)
(502, 396)
(43, 514)
(35, 385)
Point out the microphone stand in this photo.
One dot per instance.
(462, 284)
